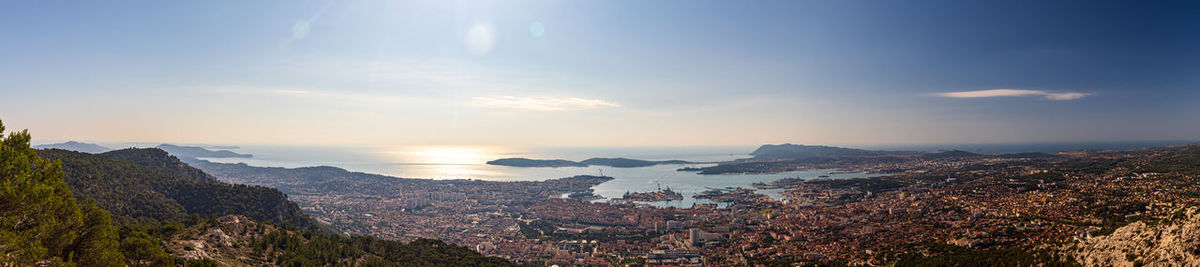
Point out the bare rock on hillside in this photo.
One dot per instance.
(1171, 242)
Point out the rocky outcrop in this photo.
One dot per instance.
(227, 240)
(1171, 242)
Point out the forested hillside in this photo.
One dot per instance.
(238, 240)
(148, 185)
(40, 220)
(159, 159)
(159, 201)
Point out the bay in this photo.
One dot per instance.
(469, 163)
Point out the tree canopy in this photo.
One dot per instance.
(40, 220)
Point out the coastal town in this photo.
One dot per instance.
(922, 206)
(484, 133)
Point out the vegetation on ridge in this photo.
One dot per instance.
(43, 222)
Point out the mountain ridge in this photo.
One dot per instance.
(76, 146)
(166, 189)
(199, 152)
(794, 151)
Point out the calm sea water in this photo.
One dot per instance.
(468, 163)
(465, 162)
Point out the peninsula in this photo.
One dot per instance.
(524, 162)
(200, 152)
(555, 163)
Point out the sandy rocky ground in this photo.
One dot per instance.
(1173, 242)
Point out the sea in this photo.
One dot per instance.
(468, 162)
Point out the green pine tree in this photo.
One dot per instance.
(39, 219)
(98, 244)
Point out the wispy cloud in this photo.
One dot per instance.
(1058, 96)
(328, 95)
(542, 103)
(354, 97)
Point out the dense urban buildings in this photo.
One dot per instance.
(928, 205)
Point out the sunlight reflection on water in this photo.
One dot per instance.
(462, 162)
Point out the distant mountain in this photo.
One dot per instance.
(524, 162)
(790, 151)
(949, 154)
(199, 152)
(1186, 161)
(1028, 155)
(147, 185)
(629, 163)
(791, 157)
(76, 146)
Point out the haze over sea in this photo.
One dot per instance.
(435, 162)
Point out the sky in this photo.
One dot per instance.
(600, 73)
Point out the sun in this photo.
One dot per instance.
(480, 39)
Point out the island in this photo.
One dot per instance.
(629, 163)
(524, 162)
(555, 163)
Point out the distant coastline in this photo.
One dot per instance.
(611, 162)
(200, 152)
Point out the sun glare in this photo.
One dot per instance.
(449, 155)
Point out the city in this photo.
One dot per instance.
(926, 206)
(599, 133)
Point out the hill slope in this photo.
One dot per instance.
(161, 160)
(235, 240)
(1173, 242)
(41, 224)
(790, 151)
(40, 221)
(146, 185)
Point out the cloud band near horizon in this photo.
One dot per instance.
(1057, 96)
(542, 103)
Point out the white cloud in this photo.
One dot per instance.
(542, 103)
(1059, 96)
(1066, 96)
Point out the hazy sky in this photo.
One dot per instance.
(600, 73)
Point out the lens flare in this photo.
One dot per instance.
(537, 29)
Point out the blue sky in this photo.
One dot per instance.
(600, 73)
